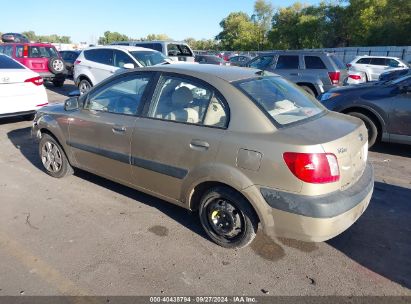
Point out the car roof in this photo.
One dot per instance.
(372, 56)
(157, 41)
(227, 73)
(29, 44)
(128, 48)
(293, 52)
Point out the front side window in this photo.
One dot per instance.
(122, 97)
(281, 100)
(6, 50)
(314, 62)
(261, 62)
(393, 63)
(121, 58)
(185, 101)
(287, 62)
(178, 50)
(148, 58)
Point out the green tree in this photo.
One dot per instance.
(30, 35)
(110, 37)
(239, 32)
(157, 37)
(262, 17)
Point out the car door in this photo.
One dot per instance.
(400, 113)
(100, 63)
(377, 67)
(181, 130)
(100, 132)
(288, 66)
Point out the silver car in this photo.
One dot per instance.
(374, 66)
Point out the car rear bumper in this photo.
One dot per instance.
(316, 218)
(51, 76)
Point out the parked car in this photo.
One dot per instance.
(391, 75)
(14, 37)
(176, 50)
(95, 64)
(41, 58)
(355, 77)
(21, 90)
(210, 59)
(69, 57)
(374, 66)
(384, 107)
(239, 60)
(314, 72)
(240, 146)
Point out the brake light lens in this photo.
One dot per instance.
(334, 77)
(25, 51)
(355, 77)
(77, 62)
(42, 104)
(315, 168)
(38, 81)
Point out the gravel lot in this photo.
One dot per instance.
(86, 235)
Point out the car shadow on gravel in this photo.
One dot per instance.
(67, 88)
(380, 240)
(392, 149)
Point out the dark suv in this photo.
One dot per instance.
(315, 72)
(42, 58)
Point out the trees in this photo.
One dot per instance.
(262, 18)
(110, 37)
(31, 35)
(239, 32)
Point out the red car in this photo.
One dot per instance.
(42, 58)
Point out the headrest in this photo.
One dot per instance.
(182, 96)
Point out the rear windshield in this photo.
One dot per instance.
(178, 50)
(8, 63)
(338, 62)
(280, 99)
(147, 58)
(38, 52)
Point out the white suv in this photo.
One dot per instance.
(373, 66)
(95, 64)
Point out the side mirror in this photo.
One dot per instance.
(75, 93)
(71, 104)
(128, 66)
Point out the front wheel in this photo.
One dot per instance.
(227, 217)
(53, 157)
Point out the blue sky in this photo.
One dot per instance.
(87, 20)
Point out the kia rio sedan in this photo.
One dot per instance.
(239, 146)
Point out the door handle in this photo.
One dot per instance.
(199, 145)
(119, 129)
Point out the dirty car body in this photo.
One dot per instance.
(238, 145)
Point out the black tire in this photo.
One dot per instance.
(58, 83)
(50, 157)
(370, 125)
(84, 86)
(308, 90)
(56, 65)
(221, 205)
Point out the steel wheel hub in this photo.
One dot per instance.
(225, 219)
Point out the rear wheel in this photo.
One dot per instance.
(308, 90)
(227, 217)
(370, 125)
(84, 86)
(53, 157)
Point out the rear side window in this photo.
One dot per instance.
(287, 62)
(364, 61)
(42, 52)
(178, 50)
(378, 61)
(8, 63)
(6, 50)
(314, 62)
(103, 56)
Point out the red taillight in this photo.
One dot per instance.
(25, 51)
(36, 80)
(316, 168)
(42, 104)
(77, 62)
(355, 77)
(334, 77)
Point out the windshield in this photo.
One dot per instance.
(338, 62)
(280, 99)
(42, 51)
(148, 58)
